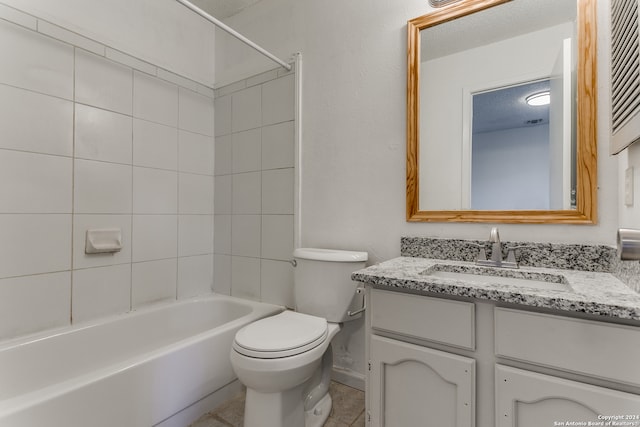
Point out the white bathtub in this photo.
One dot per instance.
(135, 369)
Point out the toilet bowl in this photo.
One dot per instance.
(277, 371)
(285, 361)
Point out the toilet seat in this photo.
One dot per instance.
(286, 334)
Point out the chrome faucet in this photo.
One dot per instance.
(496, 253)
(496, 246)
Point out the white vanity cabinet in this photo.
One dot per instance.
(418, 386)
(443, 362)
(413, 385)
(529, 399)
(609, 352)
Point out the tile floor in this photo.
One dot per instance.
(347, 410)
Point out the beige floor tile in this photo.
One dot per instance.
(348, 403)
(347, 410)
(232, 411)
(360, 422)
(210, 420)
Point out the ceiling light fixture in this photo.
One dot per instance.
(441, 3)
(538, 99)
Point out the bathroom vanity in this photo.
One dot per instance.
(465, 348)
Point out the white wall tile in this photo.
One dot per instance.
(34, 122)
(195, 235)
(35, 183)
(153, 281)
(34, 303)
(34, 244)
(196, 112)
(155, 191)
(155, 99)
(222, 274)
(195, 276)
(17, 17)
(277, 237)
(195, 194)
(35, 62)
(222, 194)
(278, 146)
(101, 291)
(245, 235)
(222, 155)
(82, 223)
(246, 193)
(245, 277)
(246, 111)
(259, 157)
(154, 237)
(72, 38)
(205, 90)
(130, 61)
(102, 135)
(245, 151)
(103, 83)
(276, 283)
(195, 154)
(263, 77)
(178, 79)
(155, 145)
(102, 187)
(278, 100)
(230, 88)
(222, 234)
(277, 191)
(222, 108)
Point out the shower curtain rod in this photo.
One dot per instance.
(234, 33)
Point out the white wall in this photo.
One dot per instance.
(353, 131)
(87, 142)
(161, 32)
(353, 140)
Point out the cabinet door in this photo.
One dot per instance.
(528, 399)
(414, 386)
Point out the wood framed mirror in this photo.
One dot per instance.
(459, 167)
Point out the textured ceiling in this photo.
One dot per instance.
(222, 9)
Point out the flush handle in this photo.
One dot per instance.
(364, 304)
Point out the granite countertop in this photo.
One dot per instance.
(595, 293)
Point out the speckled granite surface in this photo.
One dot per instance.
(593, 292)
(552, 255)
(598, 258)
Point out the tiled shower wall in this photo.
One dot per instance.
(254, 188)
(93, 138)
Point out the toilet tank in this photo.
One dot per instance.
(323, 285)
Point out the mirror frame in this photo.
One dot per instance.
(586, 124)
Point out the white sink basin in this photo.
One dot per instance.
(541, 281)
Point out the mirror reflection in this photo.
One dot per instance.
(514, 148)
(476, 126)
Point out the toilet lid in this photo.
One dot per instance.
(286, 334)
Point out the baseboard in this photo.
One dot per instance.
(348, 377)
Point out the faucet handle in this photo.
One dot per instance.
(494, 236)
(511, 253)
(482, 252)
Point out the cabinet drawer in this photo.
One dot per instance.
(432, 319)
(597, 349)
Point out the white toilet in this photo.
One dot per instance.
(285, 361)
